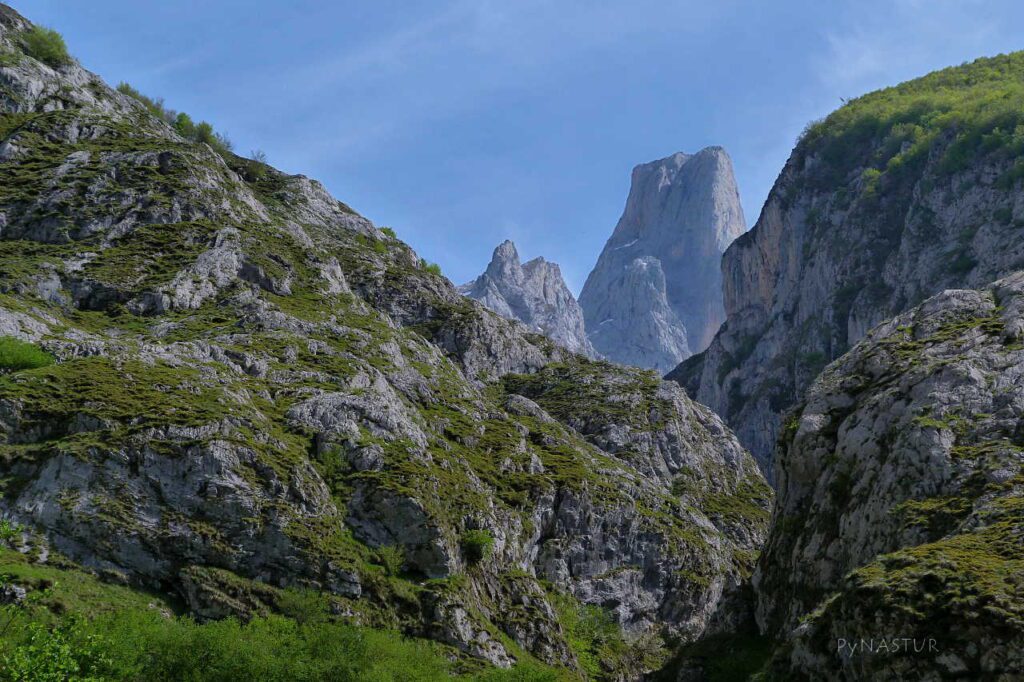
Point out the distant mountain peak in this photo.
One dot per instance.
(533, 293)
(682, 212)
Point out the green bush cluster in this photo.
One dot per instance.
(477, 545)
(46, 45)
(16, 354)
(432, 268)
(146, 645)
(179, 120)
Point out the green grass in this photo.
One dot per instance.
(16, 354)
(74, 627)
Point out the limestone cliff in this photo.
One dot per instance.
(895, 197)
(654, 295)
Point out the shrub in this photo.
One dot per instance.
(392, 558)
(180, 121)
(432, 268)
(16, 354)
(46, 45)
(9, 531)
(389, 232)
(477, 545)
(184, 125)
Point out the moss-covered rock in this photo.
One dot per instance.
(906, 470)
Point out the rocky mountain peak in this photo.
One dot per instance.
(533, 293)
(682, 211)
(505, 264)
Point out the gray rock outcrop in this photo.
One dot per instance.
(900, 499)
(655, 294)
(533, 293)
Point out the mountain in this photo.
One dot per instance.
(655, 294)
(893, 198)
(901, 501)
(223, 386)
(533, 293)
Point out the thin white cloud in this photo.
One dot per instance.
(465, 53)
(906, 38)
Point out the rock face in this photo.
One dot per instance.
(654, 296)
(533, 293)
(901, 501)
(888, 201)
(256, 388)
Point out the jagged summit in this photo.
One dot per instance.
(682, 211)
(533, 293)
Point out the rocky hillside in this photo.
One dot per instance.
(654, 296)
(533, 293)
(901, 501)
(895, 197)
(243, 387)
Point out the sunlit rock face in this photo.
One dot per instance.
(655, 295)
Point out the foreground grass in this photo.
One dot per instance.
(72, 627)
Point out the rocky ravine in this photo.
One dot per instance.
(533, 293)
(256, 388)
(901, 501)
(895, 197)
(654, 296)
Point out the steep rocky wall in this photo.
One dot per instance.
(893, 198)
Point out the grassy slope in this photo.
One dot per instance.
(72, 625)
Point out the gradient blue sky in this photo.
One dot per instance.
(464, 122)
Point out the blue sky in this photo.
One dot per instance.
(461, 123)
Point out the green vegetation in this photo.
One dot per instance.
(73, 627)
(392, 558)
(966, 112)
(747, 506)
(46, 45)
(150, 255)
(180, 121)
(593, 393)
(596, 640)
(966, 581)
(16, 354)
(432, 268)
(477, 545)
